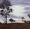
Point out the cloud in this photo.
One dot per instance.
(19, 1)
(1, 1)
(12, 16)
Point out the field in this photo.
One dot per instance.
(15, 26)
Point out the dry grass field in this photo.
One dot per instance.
(15, 26)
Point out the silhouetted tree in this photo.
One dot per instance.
(6, 4)
(29, 15)
(5, 14)
(11, 20)
(22, 18)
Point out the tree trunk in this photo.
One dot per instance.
(22, 20)
(6, 19)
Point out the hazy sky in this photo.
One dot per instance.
(1, 1)
(19, 1)
(19, 10)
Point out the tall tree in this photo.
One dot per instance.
(5, 13)
(6, 5)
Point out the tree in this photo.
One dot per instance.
(11, 20)
(6, 5)
(22, 18)
(5, 13)
(29, 15)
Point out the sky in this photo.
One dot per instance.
(18, 12)
(19, 1)
(1, 1)
(19, 9)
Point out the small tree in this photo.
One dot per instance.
(29, 15)
(22, 18)
(11, 20)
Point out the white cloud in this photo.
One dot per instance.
(18, 10)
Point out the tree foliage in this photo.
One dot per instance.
(29, 15)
